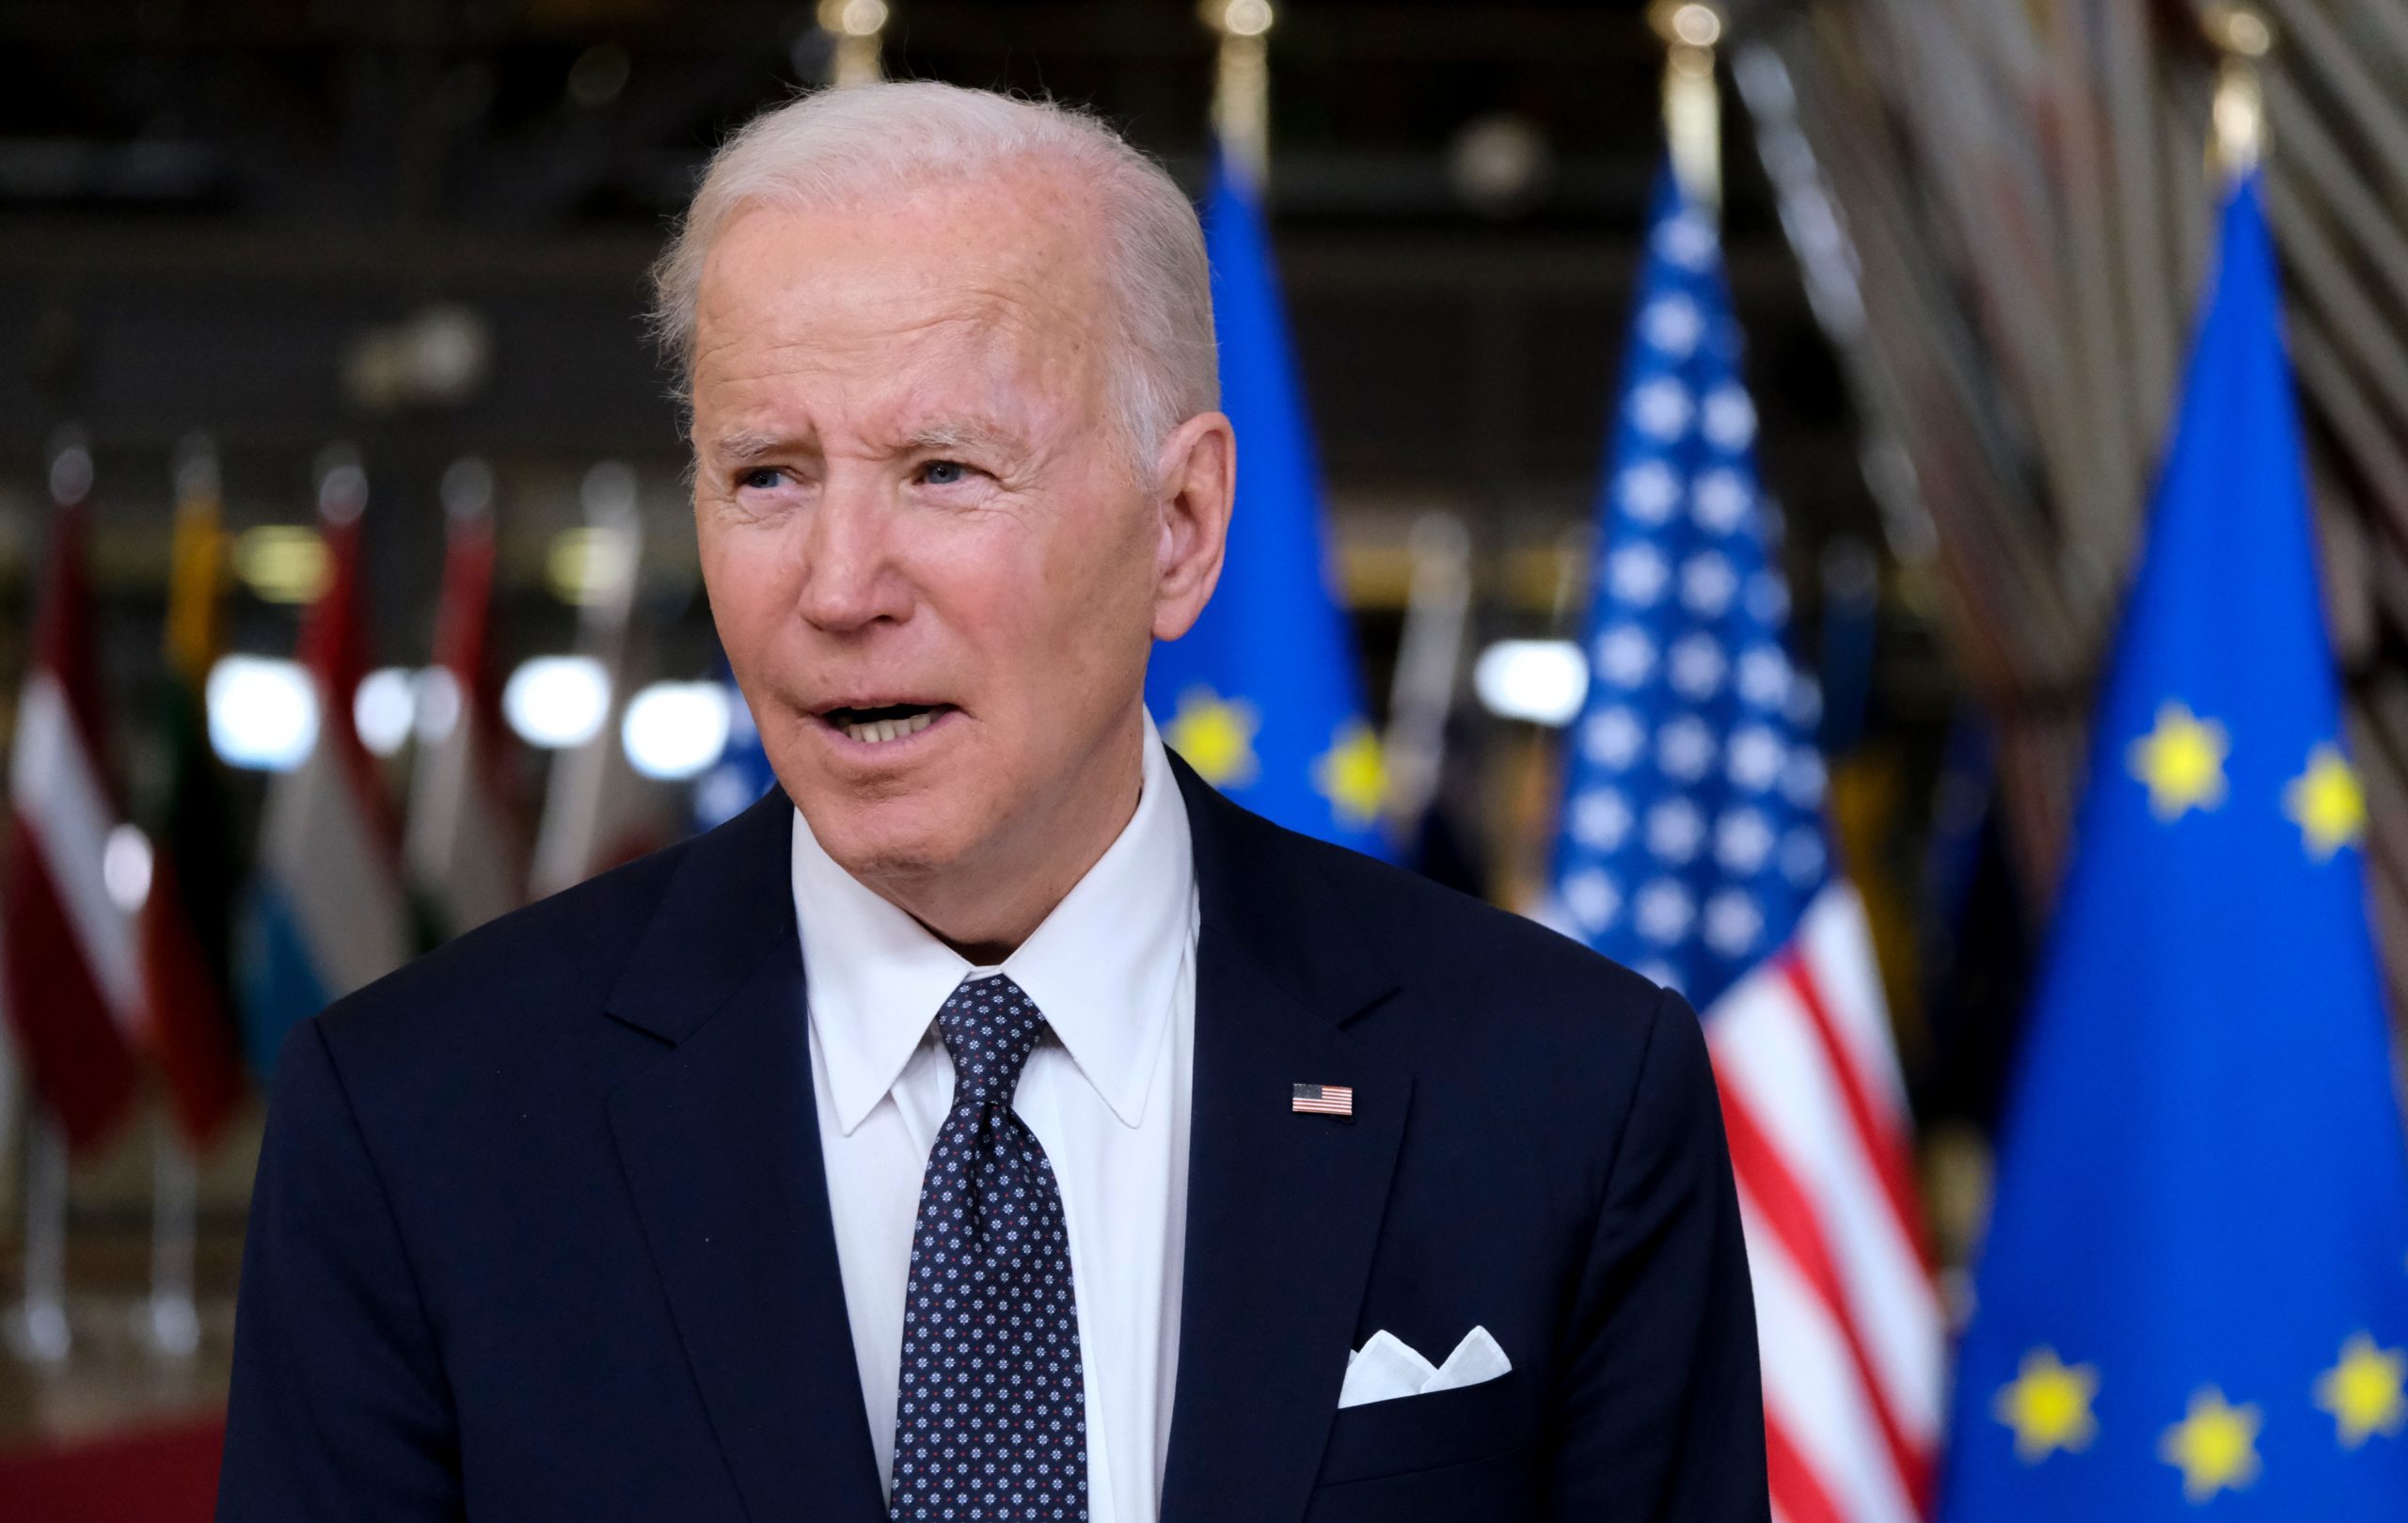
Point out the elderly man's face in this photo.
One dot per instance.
(931, 564)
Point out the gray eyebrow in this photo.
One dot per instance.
(745, 444)
(742, 446)
(958, 433)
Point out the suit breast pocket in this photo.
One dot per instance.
(1426, 1432)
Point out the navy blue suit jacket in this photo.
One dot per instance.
(541, 1230)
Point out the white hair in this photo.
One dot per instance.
(860, 141)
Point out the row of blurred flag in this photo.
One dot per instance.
(137, 934)
(88, 976)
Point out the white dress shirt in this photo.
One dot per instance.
(1113, 968)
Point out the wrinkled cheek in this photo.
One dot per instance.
(748, 574)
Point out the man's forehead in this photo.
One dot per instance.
(966, 250)
(892, 324)
(860, 378)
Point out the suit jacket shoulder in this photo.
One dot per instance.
(514, 1009)
(1482, 999)
(497, 987)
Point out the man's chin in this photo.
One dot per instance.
(887, 841)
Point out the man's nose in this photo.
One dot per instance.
(850, 576)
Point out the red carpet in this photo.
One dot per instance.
(150, 1475)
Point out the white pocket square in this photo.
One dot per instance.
(1385, 1368)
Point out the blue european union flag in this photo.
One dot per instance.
(1263, 697)
(1693, 788)
(2194, 1301)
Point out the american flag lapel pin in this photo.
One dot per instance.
(1323, 1099)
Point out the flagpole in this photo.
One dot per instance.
(570, 844)
(37, 1330)
(1429, 657)
(2241, 34)
(857, 25)
(1692, 101)
(169, 1321)
(1242, 87)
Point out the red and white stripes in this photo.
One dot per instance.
(73, 976)
(1846, 1314)
(466, 844)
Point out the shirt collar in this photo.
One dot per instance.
(1103, 965)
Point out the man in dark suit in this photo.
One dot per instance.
(992, 1122)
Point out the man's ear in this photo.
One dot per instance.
(1195, 480)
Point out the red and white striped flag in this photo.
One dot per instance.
(1694, 850)
(599, 811)
(467, 842)
(328, 913)
(72, 974)
(1847, 1315)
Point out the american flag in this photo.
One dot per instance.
(1693, 850)
(1323, 1099)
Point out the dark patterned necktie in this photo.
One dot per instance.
(991, 1412)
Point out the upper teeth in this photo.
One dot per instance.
(878, 730)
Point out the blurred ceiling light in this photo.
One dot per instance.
(557, 702)
(440, 355)
(2238, 29)
(125, 868)
(1540, 681)
(854, 18)
(587, 565)
(1690, 23)
(263, 712)
(383, 708)
(1500, 163)
(599, 74)
(281, 562)
(1242, 18)
(675, 730)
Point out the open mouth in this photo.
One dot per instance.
(892, 722)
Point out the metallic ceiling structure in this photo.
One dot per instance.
(2004, 210)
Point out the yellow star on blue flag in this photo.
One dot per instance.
(2201, 1209)
(1264, 697)
(1216, 736)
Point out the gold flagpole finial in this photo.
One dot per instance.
(855, 25)
(1241, 89)
(2243, 35)
(1692, 103)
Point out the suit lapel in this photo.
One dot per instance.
(1282, 1210)
(720, 1141)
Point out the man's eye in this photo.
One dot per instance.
(944, 473)
(760, 477)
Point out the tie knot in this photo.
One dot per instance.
(990, 1027)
